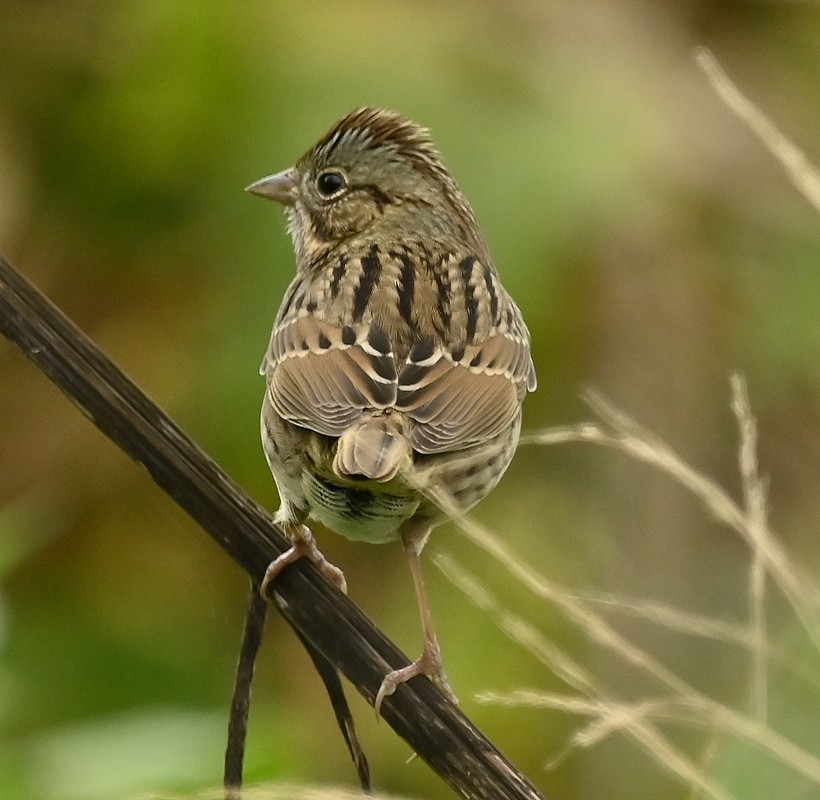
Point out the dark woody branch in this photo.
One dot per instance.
(322, 616)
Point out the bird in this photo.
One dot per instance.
(397, 364)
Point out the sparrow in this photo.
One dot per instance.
(397, 364)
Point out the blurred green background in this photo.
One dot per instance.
(652, 243)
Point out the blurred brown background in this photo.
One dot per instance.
(653, 244)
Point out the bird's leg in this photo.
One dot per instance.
(429, 663)
(303, 545)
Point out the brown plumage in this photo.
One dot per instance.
(398, 362)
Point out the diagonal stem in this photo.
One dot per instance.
(441, 735)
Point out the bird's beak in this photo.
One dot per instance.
(280, 187)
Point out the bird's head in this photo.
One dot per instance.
(374, 172)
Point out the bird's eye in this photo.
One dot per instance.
(331, 183)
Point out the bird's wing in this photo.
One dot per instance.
(464, 396)
(321, 376)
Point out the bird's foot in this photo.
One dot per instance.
(428, 664)
(303, 545)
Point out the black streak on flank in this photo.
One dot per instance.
(371, 268)
(470, 302)
(407, 286)
(440, 275)
(294, 300)
(337, 275)
(488, 281)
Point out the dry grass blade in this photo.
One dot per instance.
(673, 619)
(685, 703)
(519, 630)
(754, 499)
(698, 626)
(625, 434)
(639, 443)
(800, 170)
(609, 714)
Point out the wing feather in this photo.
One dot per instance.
(322, 377)
(460, 398)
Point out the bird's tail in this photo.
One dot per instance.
(375, 447)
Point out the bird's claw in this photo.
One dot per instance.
(429, 664)
(303, 546)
